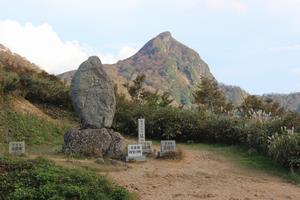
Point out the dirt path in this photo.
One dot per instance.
(201, 175)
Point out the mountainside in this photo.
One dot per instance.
(173, 67)
(287, 101)
(10, 59)
(234, 94)
(168, 65)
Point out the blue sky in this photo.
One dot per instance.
(254, 44)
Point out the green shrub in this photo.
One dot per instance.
(9, 81)
(34, 86)
(256, 136)
(224, 129)
(285, 148)
(41, 179)
(192, 125)
(41, 88)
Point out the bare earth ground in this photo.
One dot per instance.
(201, 175)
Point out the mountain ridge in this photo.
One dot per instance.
(169, 66)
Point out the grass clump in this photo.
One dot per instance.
(42, 179)
(15, 126)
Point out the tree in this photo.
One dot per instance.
(136, 90)
(209, 96)
(141, 96)
(254, 103)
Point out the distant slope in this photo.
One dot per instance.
(10, 59)
(168, 65)
(234, 94)
(287, 101)
(31, 102)
(175, 68)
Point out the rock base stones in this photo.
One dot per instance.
(94, 142)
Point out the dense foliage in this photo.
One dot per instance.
(264, 135)
(209, 96)
(41, 179)
(254, 104)
(192, 125)
(34, 86)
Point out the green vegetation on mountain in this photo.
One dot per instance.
(276, 136)
(35, 107)
(28, 127)
(255, 104)
(176, 69)
(169, 65)
(208, 96)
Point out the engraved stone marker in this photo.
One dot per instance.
(16, 148)
(141, 128)
(147, 146)
(167, 146)
(135, 152)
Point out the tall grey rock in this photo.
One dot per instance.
(93, 99)
(92, 95)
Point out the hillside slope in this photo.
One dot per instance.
(175, 68)
(168, 65)
(10, 59)
(234, 94)
(287, 101)
(34, 105)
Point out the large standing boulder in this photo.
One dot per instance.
(92, 95)
(94, 142)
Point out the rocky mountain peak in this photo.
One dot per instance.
(165, 35)
(168, 65)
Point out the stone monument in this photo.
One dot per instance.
(167, 146)
(93, 99)
(16, 148)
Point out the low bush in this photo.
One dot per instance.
(284, 147)
(34, 86)
(185, 125)
(41, 179)
(9, 81)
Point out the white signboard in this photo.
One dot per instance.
(16, 148)
(135, 150)
(167, 146)
(147, 146)
(141, 128)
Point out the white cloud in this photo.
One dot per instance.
(293, 47)
(42, 45)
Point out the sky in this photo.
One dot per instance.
(254, 44)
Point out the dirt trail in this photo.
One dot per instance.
(201, 175)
